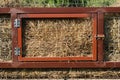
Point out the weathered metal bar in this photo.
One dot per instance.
(60, 65)
(53, 10)
(59, 10)
(20, 58)
(94, 45)
(14, 37)
(100, 32)
(4, 10)
(54, 15)
(65, 10)
(94, 56)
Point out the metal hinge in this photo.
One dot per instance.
(100, 36)
(17, 23)
(17, 51)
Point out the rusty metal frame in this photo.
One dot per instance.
(100, 63)
(81, 15)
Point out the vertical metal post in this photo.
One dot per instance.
(94, 45)
(100, 31)
(14, 37)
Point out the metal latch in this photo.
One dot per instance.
(17, 51)
(17, 23)
(100, 36)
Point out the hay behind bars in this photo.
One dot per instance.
(5, 38)
(112, 37)
(57, 37)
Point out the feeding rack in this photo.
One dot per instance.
(20, 15)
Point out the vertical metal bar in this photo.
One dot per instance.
(14, 37)
(20, 37)
(100, 32)
(94, 44)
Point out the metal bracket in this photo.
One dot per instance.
(17, 51)
(100, 36)
(17, 23)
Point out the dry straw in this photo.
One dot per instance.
(59, 73)
(112, 40)
(5, 38)
(57, 37)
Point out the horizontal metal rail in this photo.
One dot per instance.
(59, 10)
(60, 65)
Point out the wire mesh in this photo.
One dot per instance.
(112, 38)
(5, 38)
(57, 37)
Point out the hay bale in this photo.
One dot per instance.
(5, 38)
(112, 40)
(57, 37)
(6, 3)
(59, 73)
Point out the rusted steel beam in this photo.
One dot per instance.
(14, 37)
(94, 47)
(60, 65)
(53, 10)
(4, 10)
(59, 10)
(54, 15)
(110, 9)
(100, 39)
(20, 58)
(94, 44)
(65, 10)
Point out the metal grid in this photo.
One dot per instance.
(5, 38)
